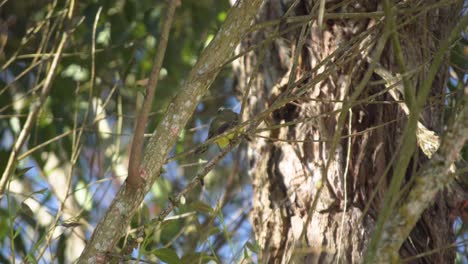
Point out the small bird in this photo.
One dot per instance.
(224, 120)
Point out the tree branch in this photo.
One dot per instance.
(134, 179)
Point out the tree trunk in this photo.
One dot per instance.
(310, 194)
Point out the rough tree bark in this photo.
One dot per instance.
(296, 165)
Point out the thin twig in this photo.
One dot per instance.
(36, 107)
(197, 180)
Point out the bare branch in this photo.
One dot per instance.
(136, 153)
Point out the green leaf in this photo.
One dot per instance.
(61, 247)
(201, 207)
(205, 235)
(41, 191)
(83, 196)
(253, 247)
(26, 210)
(459, 55)
(4, 226)
(21, 171)
(161, 190)
(76, 72)
(198, 258)
(104, 36)
(19, 243)
(167, 255)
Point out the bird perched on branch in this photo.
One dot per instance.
(224, 120)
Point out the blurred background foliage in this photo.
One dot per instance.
(104, 104)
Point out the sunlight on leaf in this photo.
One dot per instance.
(76, 72)
(104, 35)
(82, 196)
